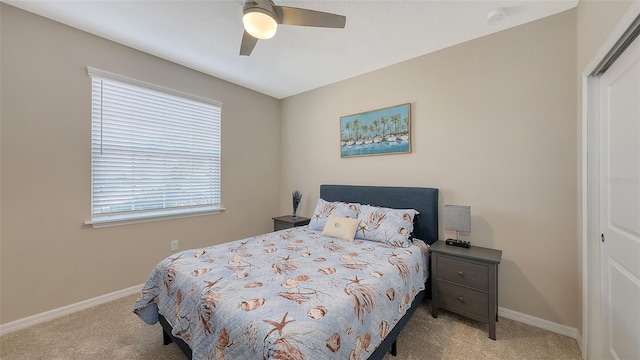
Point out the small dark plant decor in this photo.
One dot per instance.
(297, 195)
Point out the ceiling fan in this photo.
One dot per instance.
(261, 18)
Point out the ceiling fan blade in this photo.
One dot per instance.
(305, 17)
(248, 43)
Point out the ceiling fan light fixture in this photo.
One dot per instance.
(259, 24)
(260, 19)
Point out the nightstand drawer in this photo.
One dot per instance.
(463, 299)
(463, 273)
(278, 225)
(288, 221)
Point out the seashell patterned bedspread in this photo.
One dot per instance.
(290, 294)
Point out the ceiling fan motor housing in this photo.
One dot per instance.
(266, 7)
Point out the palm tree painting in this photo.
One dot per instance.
(376, 132)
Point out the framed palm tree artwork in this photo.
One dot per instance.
(376, 132)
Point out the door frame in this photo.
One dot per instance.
(590, 185)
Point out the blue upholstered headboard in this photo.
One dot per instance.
(425, 200)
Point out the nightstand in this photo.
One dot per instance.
(465, 281)
(288, 221)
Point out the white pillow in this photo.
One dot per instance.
(341, 227)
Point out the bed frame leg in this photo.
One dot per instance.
(166, 339)
(394, 350)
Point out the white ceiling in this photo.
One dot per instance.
(205, 35)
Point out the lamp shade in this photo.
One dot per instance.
(259, 24)
(457, 217)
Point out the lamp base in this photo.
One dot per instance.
(459, 243)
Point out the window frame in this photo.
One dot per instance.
(114, 219)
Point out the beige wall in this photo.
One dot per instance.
(493, 126)
(49, 259)
(596, 20)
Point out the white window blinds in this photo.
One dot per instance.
(154, 152)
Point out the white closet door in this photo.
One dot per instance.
(620, 205)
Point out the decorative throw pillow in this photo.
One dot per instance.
(385, 225)
(341, 227)
(325, 208)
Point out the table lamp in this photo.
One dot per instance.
(458, 218)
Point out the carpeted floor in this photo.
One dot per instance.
(86, 335)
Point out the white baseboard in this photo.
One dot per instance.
(540, 323)
(66, 310)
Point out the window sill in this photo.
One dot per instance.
(126, 219)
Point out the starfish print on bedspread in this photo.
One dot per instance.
(282, 347)
(284, 266)
(362, 296)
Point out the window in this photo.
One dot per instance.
(155, 153)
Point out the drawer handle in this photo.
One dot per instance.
(460, 298)
(460, 273)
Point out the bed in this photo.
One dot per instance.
(313, 297)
